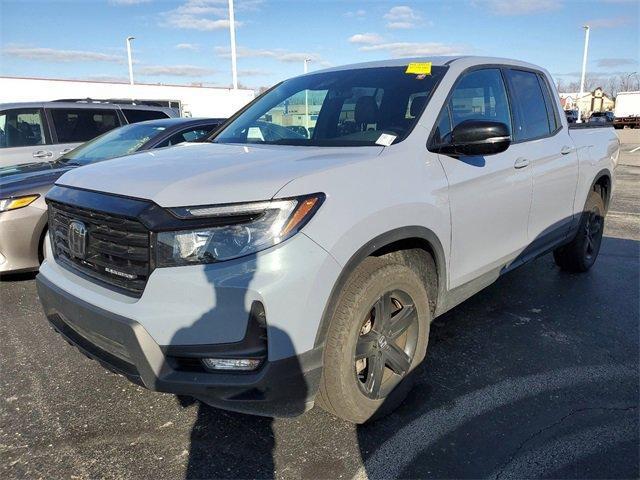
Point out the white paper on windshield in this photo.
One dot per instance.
(385, 139)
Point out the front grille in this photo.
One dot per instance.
(116, 248)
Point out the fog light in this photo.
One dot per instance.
(243, 364)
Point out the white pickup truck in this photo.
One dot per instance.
(301, 256)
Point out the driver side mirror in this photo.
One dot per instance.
(478, 137)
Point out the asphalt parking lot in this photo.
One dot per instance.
(536, 376)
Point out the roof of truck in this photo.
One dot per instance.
(436, 61)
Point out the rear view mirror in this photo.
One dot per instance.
(478, 137)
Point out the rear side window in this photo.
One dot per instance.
(552, 113)
(21, 128)
(480, 95)
(134, 116)
(80, 125)
(531, 119)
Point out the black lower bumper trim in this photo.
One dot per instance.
(279, 388)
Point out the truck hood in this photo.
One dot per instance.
(201, 174)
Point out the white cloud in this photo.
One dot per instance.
(277, 54)
(174, 71)
(126, 3)
(254, 72)
(518, 7)
(187, 46)
(414, 49)
(356, 14)
(204, 15)
(402, 17)
(615, 62)
(613, 22)
(366, 38)
(59, 56)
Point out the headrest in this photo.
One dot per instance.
(366, 110)
(417, 105)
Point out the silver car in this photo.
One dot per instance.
(43, 131)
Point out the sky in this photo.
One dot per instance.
(187, 41)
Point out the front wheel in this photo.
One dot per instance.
(580, 255)
(377, 336)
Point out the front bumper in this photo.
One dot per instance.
(280, 388)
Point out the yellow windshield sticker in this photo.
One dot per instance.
(419, 68)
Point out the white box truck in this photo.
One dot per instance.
(627, 110)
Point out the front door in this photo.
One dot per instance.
(489, 196)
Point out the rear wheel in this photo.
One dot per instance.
(582, 252)
(377, 336)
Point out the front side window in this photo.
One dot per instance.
(480, 95)
(340, 108)
(191, 135)
(531, 119)
(80, 125)
(21, 128)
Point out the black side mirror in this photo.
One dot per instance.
(478, 137)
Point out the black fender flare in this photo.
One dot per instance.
(387, 238)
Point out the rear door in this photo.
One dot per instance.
(74, 126)
(550, 153)
(489, 196)
(23, 137)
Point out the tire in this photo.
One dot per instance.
(580, 255)
(42, 250)
(372, 386)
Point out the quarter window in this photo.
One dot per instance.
(80, 125)
(531, 119)
(21, 128)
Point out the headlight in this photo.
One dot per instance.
(233, 230)
(14, 203)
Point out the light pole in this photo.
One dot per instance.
(584, 69)
(306, 97)
(129, 58)
(627, 81)
(232, 34)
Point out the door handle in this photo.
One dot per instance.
(566, 150)
(42, 154)
(521, 163)
(65, 151)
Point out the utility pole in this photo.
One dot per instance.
(584, 69)
(129, 58)
(232, 34)
(306, 97)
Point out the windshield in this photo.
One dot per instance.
(341, 108)
(118, 142)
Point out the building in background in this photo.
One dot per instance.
(191, 101)
(589, 102)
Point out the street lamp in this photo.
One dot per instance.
(129, 58)
(627, 85)
(584, 69)
(306, 97)
(232, 35)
